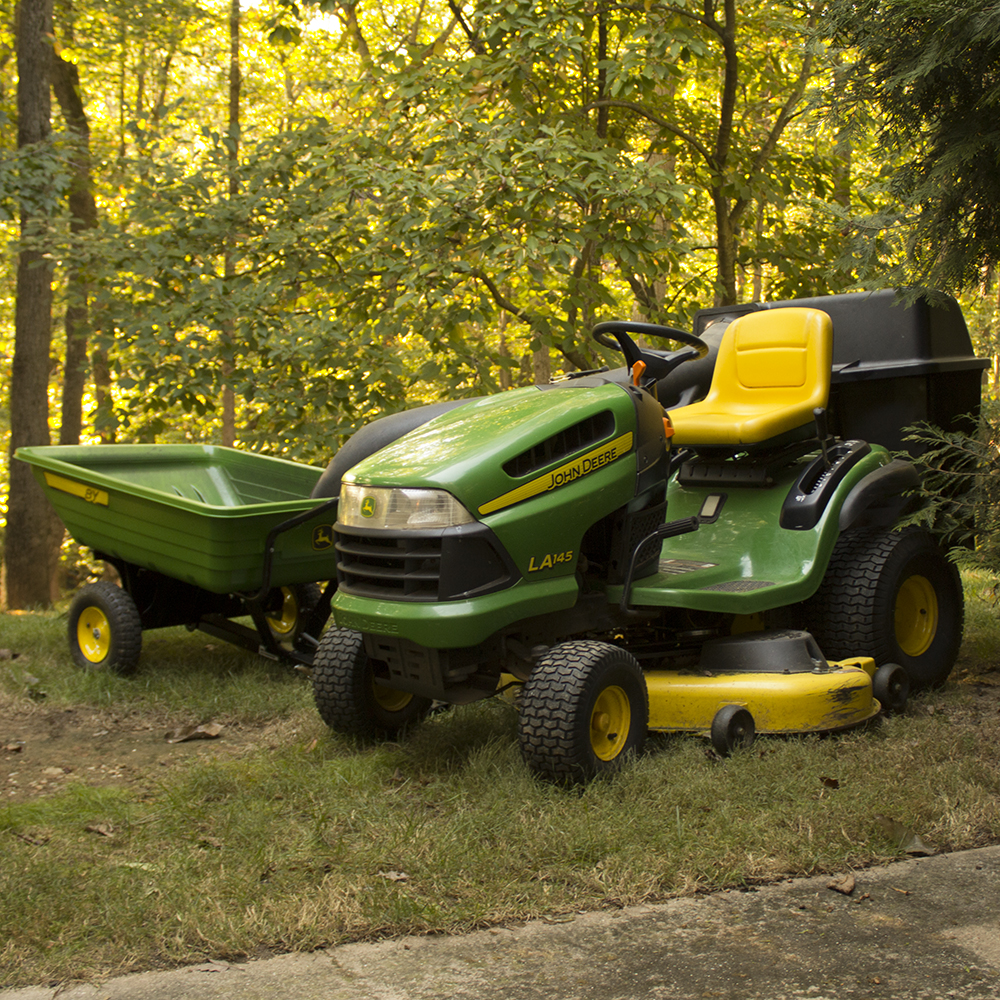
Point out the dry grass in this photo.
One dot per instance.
(320, 840)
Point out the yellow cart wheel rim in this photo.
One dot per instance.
(289, 613)
(389, 700)
(916, 615)
(609, 723)
(93, 634)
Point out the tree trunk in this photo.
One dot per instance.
(83, 216)
(29, 536)
(229, 260)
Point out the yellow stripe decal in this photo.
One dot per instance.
(564, 475)
(88, 493)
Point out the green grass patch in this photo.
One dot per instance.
(319, 840)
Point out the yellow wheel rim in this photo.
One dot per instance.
(289, 613)
(93, 634)
(609, 723)
(389, 700)
(916, 615)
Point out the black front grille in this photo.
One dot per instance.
(444, 565)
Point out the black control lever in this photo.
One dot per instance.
(823, 433)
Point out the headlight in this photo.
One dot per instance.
(388, 507)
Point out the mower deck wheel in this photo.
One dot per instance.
(348, 698)
(584, 709)
(733, 729)
(891, 687)
(104, 629)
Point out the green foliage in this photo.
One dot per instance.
(961, 489)
(928, 71)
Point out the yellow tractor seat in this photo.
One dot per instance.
(772, 371)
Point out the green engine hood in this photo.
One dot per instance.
(465, 449)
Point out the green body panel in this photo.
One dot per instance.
(455, 624)
(463, 450)
(746, 547)
(197, 513)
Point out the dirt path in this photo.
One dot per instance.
(41, 750)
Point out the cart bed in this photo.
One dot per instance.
(198, 513)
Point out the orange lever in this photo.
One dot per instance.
(638, 370)
(668, 428)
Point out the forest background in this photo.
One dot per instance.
(265, 224)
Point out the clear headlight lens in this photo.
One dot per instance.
(389, 507)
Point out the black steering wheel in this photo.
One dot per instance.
(657, 365)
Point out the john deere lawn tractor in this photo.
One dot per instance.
(643, 550)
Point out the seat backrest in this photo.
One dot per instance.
(772, 371)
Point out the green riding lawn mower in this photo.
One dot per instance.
(704, 540)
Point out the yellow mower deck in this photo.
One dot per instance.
(827, 700)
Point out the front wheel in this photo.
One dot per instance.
(104, 629)
(584, 710)
(894, 596)
(347, 696)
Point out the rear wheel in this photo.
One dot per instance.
(104, 629)
(347, 696)
(289, 610)
(584, 710)
(894, 596)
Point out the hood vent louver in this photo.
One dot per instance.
(585, 434)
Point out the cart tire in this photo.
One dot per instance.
(347, 697)
(297, 603)
(891, 687)
(584, 710)
(104, 629)
(894, 596)
(733, 729)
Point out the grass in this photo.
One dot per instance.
(320, 840)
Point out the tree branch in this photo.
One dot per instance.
(785, 116)
(471, 34)
(692, 140)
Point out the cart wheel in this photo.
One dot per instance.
(894, 596)
(287, 620)
(891, 687)
(584, 710)
(732, 729)
(347, 697)
(105, 631)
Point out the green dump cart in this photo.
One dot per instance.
(200, 535)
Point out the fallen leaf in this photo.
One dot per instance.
(6, 654)
(35, 839)
(213, 966)
(103, 829)
(830, 782)
(902, 836)
(845, 884)
(394, 876)
(16, 747)
(206, 731)
(54, 772)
